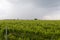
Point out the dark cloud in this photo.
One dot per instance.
(47, 3)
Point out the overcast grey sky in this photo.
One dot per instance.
(30, 9)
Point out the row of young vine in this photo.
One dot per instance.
(30, 30)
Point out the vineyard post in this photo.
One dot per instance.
(6, 33)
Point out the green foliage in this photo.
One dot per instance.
(30, 29)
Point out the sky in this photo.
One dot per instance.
(30, 9)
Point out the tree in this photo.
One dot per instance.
(35, 19)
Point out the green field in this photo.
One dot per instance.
(30, 29)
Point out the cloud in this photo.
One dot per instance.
(55, 15)
(29, 9)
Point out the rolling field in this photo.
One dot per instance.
(30, 29)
